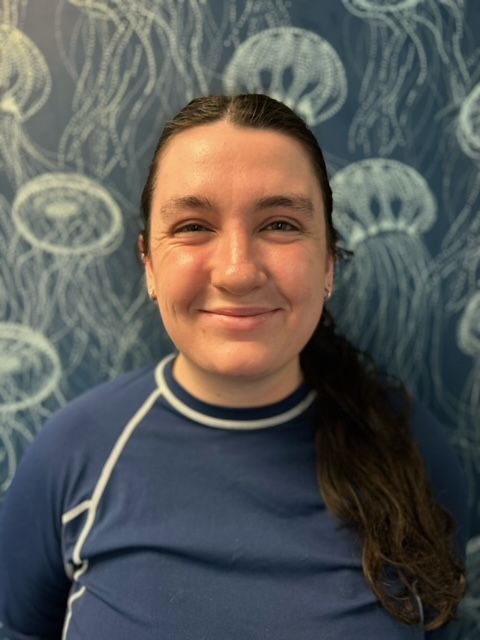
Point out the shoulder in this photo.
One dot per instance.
(67, 455)
(102, 410)
(58, 474)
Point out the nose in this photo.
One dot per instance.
(237, 263)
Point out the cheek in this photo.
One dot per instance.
(178, 278)
(301, 276)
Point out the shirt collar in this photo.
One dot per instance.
(221, 417)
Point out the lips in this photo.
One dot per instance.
(240, 318)
(240, 312)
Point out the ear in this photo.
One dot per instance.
(147, 263)
(330, 272)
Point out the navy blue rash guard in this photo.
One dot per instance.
(141, 512)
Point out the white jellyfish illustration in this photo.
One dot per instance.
(386, 300)
(411, 46)
(67, 214)
(468, 128)
(25, 86)
(68, 225)
(120, 80)
(30, 372)
(9, 303)
(293, 65)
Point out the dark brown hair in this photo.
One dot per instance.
(369, 470)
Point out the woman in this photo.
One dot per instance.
(263, 482)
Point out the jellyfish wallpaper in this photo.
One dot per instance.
(390, 87)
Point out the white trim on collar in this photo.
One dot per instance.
(221, 423)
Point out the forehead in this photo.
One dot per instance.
(236, 161)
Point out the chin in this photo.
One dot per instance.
(244, 362)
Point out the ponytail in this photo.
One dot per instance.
(372, 477)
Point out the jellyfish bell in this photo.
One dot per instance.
(293, 65)
(381, 195)
(25, 81)
(468, 128)
(67, 214)
(29, 368)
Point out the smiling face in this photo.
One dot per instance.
(238, 258)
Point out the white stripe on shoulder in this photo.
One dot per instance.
(221, 423)
(108, 469)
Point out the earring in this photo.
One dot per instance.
(327, 294)
(152, 295)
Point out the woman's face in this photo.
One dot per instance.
(238, 257)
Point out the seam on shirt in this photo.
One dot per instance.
(107, 471)
(75, 596)
(71, 514)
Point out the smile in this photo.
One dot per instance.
(240, 318)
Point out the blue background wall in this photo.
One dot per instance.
(392, 89)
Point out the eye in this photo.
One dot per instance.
(281, 225)
(191, 227)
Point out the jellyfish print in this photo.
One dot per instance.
(386, 300)
(412, 47)
(10, 307)
(69, 224)
(132, 62)
(293, 65)
(30, 367)
(468, 129)
(120, 80)
(30, 371)
(469, 330)
(25, 85)
(67, 214)
(12, 12)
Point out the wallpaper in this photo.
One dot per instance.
(390, 87)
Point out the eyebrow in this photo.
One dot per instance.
(287, 201)
(173, 205)
(199, 203)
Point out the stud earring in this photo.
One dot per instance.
(152, 295)
(328, 294)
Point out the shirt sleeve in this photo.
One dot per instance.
(34, 586)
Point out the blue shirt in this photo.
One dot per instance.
(141, 512)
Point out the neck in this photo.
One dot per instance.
(237, 391)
